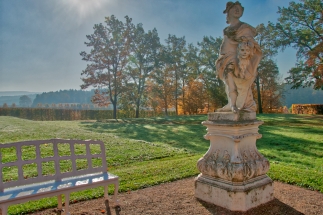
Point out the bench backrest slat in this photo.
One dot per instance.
(39, 160)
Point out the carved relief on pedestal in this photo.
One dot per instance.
(219, 165)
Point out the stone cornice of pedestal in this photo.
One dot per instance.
(236, 186)
(236, 138)
(232, 117)
(242, 129)
(232, 123)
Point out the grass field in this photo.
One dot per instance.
(146, 152)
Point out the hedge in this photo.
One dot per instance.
(307, 108)
(48, 114)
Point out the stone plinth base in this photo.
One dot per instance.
(235, 196)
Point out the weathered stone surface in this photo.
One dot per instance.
(230, 116)
(233, 154)
(233, 171)
(238, 60)
(234, 196)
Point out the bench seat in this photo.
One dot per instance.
(51, 188)
(60, 183)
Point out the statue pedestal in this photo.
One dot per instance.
(233, 172)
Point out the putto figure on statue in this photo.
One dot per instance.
(238, 60)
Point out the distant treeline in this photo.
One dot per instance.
(64, 96)
(81, 97)
(46, 114)
(292, 96)
(9, 100)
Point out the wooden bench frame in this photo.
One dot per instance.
(61, 183)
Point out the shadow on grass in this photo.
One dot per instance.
(288, 143)
(186, 132)
(291, 119)
(282, 134)
(187, 136)
(273, 207)
(179, 120)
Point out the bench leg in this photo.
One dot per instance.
(60, 205)
(106, 192)
(67, 204)
(59, 202)
(116, 189)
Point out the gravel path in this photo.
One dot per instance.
(178, 198)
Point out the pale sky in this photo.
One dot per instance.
(40, 40)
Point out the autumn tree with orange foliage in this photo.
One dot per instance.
(110, 47)
(271, 90)
(301, 27)
(214, 87)
(142, 61)
(265, 38)
(196, 97)
(162, 87)
(130, 69)
(315, 62)
(189, 72)
(176, 51)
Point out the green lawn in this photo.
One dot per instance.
(146, 152)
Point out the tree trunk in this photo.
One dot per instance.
(137, 108)
(166, 113)
(114, 102)
(139, 95)
(259, 96)
(114, 111)
(183, 95)
(176, 92)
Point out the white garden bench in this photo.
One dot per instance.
(51, 155)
